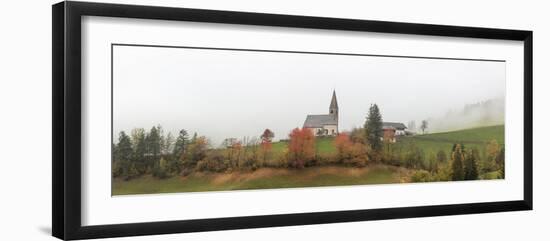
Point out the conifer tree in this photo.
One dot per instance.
(457, 158)
(373, 128)
(470, 166)
(181, 143)
(123, 150)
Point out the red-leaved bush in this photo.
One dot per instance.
(301, 148)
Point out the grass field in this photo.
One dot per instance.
(262, 179)
(471, 138)
(323, 145)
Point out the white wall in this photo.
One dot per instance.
(25, 101)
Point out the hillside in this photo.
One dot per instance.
(262, 178)
(471, 138)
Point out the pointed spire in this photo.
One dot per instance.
(333, 102)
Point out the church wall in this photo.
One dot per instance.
(332, 129)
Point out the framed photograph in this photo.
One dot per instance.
(169, 120)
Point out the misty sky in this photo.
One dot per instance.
(222, 94)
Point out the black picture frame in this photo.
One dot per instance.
(66, 127)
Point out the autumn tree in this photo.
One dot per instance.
(343, 144)
(267, 135)
(349, 152)
(373, 128)
(196, 151)
(457, 158)
(301, 147)
(357, 135)
(266, 145)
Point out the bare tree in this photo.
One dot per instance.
(424, 126)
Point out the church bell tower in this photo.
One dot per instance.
(333, 108)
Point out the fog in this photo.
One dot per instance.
(231, 94)
(484, 113)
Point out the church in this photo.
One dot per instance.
(324, 125)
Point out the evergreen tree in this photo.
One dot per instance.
(122, 155)
(181, 144)
(153, 143)
(457, 158)
(123, 150)
(139, 147)
(373, 128)
(470, 165)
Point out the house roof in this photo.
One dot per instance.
(395, 125)
(317, 121)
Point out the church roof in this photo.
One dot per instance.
(318, 121)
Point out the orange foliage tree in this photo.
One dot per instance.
(350, 152)
(301, 148)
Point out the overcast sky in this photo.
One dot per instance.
(222, 94)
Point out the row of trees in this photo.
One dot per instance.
(152, 152)
(161, 155)
(463, 164)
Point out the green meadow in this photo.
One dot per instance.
(262, 179)
(470, 138)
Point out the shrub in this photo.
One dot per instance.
(421, 176)
(202, 166)
(350, 153)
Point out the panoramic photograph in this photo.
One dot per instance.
(190, 119)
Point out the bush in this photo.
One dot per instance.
(185, 171)
(201, 166)
(444, 173)
(159, 172)
(421, 176)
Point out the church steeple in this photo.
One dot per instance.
(333, 108)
